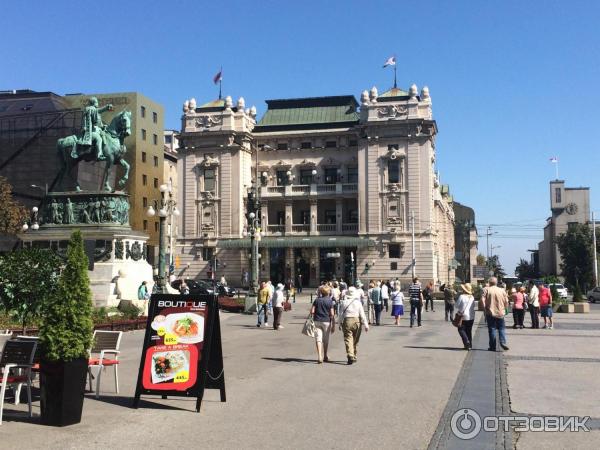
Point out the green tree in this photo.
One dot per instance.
(12, 214)
(27, 277)
(576, 250)
(66, 333)
(481, 260)
(525, 270)
(495, 266)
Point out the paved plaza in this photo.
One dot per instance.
(402, 393)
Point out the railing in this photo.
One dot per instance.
(301, 228)
(326, 227)
(275, 189)
(350, 187)
(301, 188)
(325, 187)
(276, 228)
(349, 227)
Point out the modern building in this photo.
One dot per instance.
(343, 188)
(568, 206)
(145, 154)
(465, 238)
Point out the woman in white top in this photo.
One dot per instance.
(465, 305)
(397, 303)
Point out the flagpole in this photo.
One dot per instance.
(556, 167)
(220, 82)
(395, 65)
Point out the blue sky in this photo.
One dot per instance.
(512, 82)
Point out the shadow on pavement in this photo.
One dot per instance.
(455, 349)
(306, 361)
(152, 403)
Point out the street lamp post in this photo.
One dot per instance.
(33, 220)
(167, 207)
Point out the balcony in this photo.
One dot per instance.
(322, 229)
(309, 190)
(275, 229)
(350, 227)
(301, 229)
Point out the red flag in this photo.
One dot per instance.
(218, 77)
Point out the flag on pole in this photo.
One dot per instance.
(218, 77)
(554, 159)
(391, 61)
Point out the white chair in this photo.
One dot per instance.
(105, 343)
(16, 355)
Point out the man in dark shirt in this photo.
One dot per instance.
(416, 301)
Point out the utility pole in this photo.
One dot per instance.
(487, 242)
(595, 256)
(412, 229)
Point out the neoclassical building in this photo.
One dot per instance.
(341, 186)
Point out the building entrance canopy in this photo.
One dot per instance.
(309, 241)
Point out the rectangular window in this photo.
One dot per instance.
(281, 177)
(394, 266)
(209, 179)
(306, 145)
(393, 171)
(156, 161)
(144, 180)
(207, 253)
(331, 175)
(156, 226)
(143, 134)
(143, 111)
(306, 176)
(282, 146)
(168, 139)
(394, 250)
(145, 224)
(154, 117)
(305, 217)
(353, 216)
(145, 202)
(557, 193)
(155, 139)
(143, 156)
(352, 175)
(330, 144)
(280, 217)
(156, 182)
(330, 216)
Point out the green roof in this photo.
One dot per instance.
(304, 113)
(214, 104)
(394, 92)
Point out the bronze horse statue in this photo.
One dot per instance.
(113, 150)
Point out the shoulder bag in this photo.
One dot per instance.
(309, 328)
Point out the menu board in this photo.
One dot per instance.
(182, 353)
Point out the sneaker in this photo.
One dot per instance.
(266, 324)
(504, 346)
(281, 327)
(350, 361)
(258, 325)
(544, 327)
(551, 327)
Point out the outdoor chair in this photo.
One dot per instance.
(3, 339)
(37, 357)
(16, 355)
(105, 343)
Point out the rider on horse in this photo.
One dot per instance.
(92, 128)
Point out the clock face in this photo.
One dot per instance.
(571, 208)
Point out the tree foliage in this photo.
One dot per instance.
(12, 214)
(481, 260)
(27, 278)
(494, 264)
(526, 271)
(576, 250)
(66, 332)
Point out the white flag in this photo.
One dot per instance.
(554, 159)
(391, 61)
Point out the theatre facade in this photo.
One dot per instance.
(345, 188)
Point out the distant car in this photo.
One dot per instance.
(594, 295)
(560, 288)
(196, 287)
(221, 289)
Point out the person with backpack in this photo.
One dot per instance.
(428, 295)
(449, 295)
(143, 291)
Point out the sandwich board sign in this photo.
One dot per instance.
(182, 354)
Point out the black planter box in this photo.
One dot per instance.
(62, 391)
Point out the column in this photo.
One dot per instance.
(290, 264)
(264, 216)
(313, 217)
(338, 216)
(317, 269)
(288, 217)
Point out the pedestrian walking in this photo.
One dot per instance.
(385, 294)
(278, 300)
(518, 305)
(271, 289)
(495, 304)
(299, 285)
(143, 293)
(184, 289)
(324, 320)
(375, 302)
(546, 306)
(262, 305)
(449, 296)
(465, 307)
(534, 305)
(352, 320)
(428, 295)
(397, 298)
(416, 301)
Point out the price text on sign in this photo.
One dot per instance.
(170, 339)
(182, 376)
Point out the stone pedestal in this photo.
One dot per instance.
(117, 254)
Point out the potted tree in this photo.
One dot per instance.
(66, 337)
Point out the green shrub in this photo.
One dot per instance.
(129, 310)
(577, 294)
(66, 332)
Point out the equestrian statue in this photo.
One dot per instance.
(97, 142)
